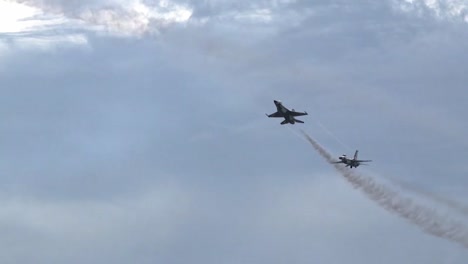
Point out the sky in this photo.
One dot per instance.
(133, 131)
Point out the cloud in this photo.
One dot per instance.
(91, 135)
(50, 42)
(456, 10)
(45, 25)
(106, 229)
(13, 15)
(122, 18)
(265, 15)
(27, 28)
(135, 18)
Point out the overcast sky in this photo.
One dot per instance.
(133, 131)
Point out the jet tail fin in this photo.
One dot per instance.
(355, 155)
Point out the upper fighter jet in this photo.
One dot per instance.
(287, 114)
(351, 162)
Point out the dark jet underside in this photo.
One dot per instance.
(288, 115)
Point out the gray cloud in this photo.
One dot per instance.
(165, 138)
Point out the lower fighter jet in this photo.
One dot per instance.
(287, 114)
(351, 162)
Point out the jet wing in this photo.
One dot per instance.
(334, 162)
(293, 113)
(277, 114)
(363, 160)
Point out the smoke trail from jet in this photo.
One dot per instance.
(455, 205)
(322, 126)
(429, 220)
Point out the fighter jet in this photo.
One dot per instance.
(287, 114)
(351, 162)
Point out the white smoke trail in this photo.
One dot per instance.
(455, 205)
(322, 126)
(429, 220)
